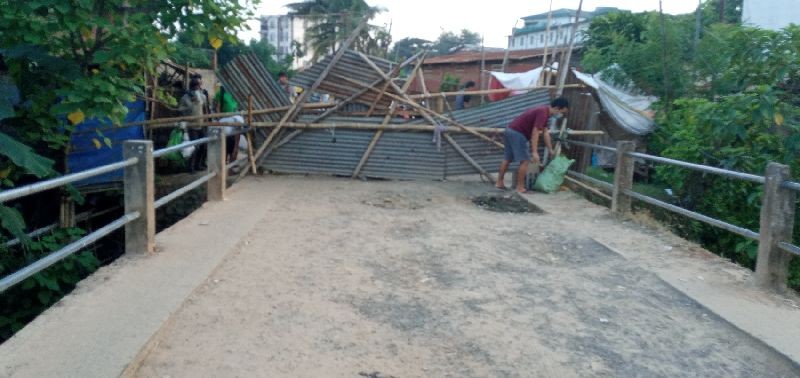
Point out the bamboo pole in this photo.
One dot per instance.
(393, 73)
(303, 97)
(588, 188)
(429, 114)
(491, 91)
(388, 117)
(322, 116)
(468, 158)
(546, 42)
(563, 71)
(250, 154)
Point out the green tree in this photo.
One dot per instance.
(407, 47)
(448, 41)
(71, 60)
(332, 21)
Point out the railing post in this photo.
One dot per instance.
(216, 163)
(138, 187)
(777, 222)
(623, 178)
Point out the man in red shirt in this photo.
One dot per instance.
(527, 128)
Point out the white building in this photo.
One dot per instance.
(285, 32)
(533, 35)
(771, 14)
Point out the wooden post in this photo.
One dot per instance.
(250, 154)
(215, 161)
(139, 189)
(623, 178)
(777, 223)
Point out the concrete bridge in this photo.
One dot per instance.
(317, 276)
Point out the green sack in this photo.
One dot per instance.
(175, 138)
(553, 175)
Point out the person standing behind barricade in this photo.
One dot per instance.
(225, 103)
(193, 103)
(527, 127)
(283, 80)
(462, 100)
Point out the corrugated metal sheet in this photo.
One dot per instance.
(400, 154)
(350, 66)
(246, 75)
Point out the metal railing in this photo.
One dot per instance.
(778, 207)
(140, 204)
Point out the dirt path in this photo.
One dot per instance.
(409, 279)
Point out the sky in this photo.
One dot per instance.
(428, 18)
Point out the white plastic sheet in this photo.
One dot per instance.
(630, 111)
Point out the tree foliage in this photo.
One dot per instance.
(732, 102)
(449, 42)
(68, 61)
(332, 21)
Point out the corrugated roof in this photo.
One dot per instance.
(350, 66)
(400, 154)
(246, 75)
(476, 56)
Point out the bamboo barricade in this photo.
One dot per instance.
(491, 91)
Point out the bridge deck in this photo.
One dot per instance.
(331, 277)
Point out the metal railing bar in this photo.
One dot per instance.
(702, 168)
(789, 248)
(78, 218)
(696, 216)
(178, 147)
(12, 194)
(791, 185)
(62, 253)
(590, 145)
(592, 180)
(194, 184)
(33, 234)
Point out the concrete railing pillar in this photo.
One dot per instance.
(216, 163)
(139, 189)
(623, 178)
(777, 223)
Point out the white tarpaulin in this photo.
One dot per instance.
(518, 80)
(630, 111)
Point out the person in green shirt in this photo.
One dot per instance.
(225, 103)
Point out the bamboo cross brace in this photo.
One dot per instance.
(427, 112)
(388, 116)
(328, 112)
(468, 158)
(303, 97)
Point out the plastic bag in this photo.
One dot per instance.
(175, 138)
(553, 175)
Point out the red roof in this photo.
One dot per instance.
(475, 56)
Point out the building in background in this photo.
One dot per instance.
(771, 14)
(533, 34)
(287, 34)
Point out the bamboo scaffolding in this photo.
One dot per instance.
(388, 116)
(303, 97)
(427, 113)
